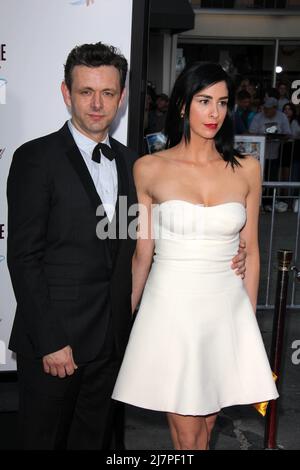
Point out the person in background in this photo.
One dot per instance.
(243, 109)
(250, 86)
(157, 117)
(147, 110)
(290, 111)
(283, 95)
(272, 92)
(271, 122)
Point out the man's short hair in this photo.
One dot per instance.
(95, 55)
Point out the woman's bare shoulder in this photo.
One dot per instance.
(144, 170)
(251, 170)
(249, 163)
(151, 162)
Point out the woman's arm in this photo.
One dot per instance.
(250, 231)
(142, 257)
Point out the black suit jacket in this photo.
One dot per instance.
(66, 280)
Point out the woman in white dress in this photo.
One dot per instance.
(195, 346)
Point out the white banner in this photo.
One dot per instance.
(35, 39)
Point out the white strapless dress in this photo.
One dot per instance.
(195, 346)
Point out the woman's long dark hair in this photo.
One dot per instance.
(294, 110)
(193, 79)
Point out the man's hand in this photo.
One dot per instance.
(60, 363)
(239, 261)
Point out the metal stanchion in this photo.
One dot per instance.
(284, 261)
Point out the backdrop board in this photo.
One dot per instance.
(35, 39)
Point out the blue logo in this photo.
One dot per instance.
(2, 258)
(82, 2)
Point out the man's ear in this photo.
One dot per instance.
(66, 94)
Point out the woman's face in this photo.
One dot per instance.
(208, 110)
(288, 112)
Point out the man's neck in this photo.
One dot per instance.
(101, 137)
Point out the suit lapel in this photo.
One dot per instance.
(123, 184)
(123, 190)
(80, 167)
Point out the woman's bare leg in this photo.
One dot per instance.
(188, 432)
(210, 422)
(173, 431)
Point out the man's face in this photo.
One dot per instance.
(94, 99)
(162, 105)
(270, 112)
(245, 104)
(282, 90)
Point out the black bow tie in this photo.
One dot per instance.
(105, 149)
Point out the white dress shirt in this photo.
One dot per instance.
(104, 174)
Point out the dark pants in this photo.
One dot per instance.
(75, 412)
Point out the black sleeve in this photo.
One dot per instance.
(29, 203)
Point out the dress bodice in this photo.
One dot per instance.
(187, 231)
(179, 219)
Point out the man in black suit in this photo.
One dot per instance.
(72, 282)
